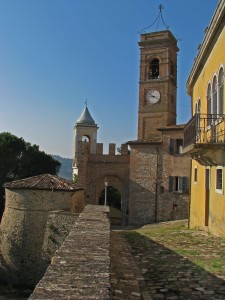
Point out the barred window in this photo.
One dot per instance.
(219, 180)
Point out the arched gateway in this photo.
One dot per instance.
(91, 167)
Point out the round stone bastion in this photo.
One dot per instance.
(28, 203)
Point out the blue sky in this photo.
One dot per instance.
(54, 54)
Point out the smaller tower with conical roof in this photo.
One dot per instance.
(85, 130)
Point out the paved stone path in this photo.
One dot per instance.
(126, 279)
(148, 270)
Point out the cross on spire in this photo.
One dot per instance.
(85, 102)
(157, 21)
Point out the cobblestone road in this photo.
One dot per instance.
(149, 270)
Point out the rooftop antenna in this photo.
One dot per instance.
(157, 20)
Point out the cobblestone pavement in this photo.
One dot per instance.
(146, 269)
(126, 278)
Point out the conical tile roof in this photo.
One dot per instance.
(86, 118)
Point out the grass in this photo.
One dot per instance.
(201, 248)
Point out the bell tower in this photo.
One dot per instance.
(158, 83)
(85, 131)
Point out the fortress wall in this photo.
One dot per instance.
(80, 269)
(59, 225)
(23, 228)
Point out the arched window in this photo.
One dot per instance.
(221, 91)
(153, 69)
(197, 111)
(209, 104)
(214, 97)
(85, 138)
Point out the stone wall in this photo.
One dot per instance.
(23, 228)
(58, 226)
(80, 269)
(151, 167)
(143, 162)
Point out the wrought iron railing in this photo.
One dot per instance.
(203, 128)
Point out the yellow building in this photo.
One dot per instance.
(205, 132)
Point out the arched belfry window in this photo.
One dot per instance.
(221, 91)
(85, 138)
(209, 103)
(153, 69)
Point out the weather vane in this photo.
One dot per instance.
(85, 102)
(157, 20)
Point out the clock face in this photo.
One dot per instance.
(152, 96)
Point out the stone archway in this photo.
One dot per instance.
(116, 183)
(114, 202)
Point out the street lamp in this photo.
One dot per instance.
(106, 184)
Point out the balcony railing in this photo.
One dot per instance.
(203, 129)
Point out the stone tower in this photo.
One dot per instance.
(85, 130)
(158, 82)
(159, 174)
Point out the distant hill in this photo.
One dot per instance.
(66, 167)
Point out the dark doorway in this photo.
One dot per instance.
(114, 202)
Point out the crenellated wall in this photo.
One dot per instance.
(81, 267)
(94, 168)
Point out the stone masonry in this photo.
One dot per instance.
(28, 204)
(81, 267)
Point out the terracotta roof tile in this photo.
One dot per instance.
(44, 182)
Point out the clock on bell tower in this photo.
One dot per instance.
(158, 83)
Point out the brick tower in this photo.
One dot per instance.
(158, 82)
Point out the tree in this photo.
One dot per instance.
(19, 159)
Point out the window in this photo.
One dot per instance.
(214, 97)
(221, 91)
(197, 112)
(178, 184)
(153, 69)
(219, 180)
(195, 174)
(209, 103)
(176, 146)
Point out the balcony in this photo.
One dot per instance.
(204, 139)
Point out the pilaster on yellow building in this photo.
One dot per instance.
(204, 135)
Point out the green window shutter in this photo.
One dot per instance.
(170, 183)
(171, 146)
(180, 182)
(184, 184)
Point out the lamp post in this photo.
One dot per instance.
(106, 184)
